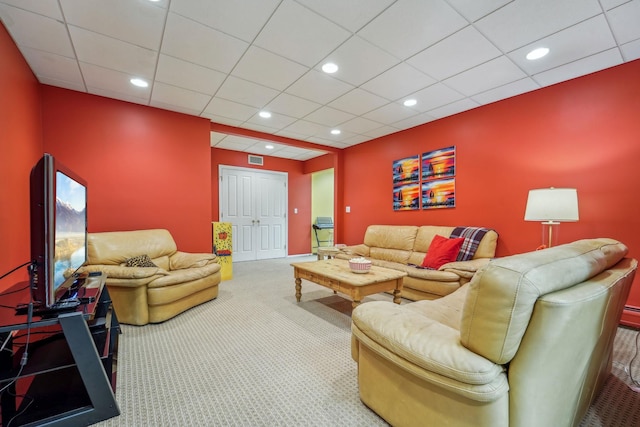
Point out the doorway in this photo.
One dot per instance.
(255, 203)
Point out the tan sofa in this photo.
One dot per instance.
(528, 342)
(400, 246)
(152, 294)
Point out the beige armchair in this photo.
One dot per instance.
(149, 280)
(527, 342)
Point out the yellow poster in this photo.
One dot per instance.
(222, 247)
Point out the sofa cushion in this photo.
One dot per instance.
(515, 283)
(115, 247)
(441, 251)
(399, 237)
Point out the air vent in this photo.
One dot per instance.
(256, 160)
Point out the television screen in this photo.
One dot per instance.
(70, 228)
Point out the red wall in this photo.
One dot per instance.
(145, 167)
(584, 133)
(299, 238)
(20, 148)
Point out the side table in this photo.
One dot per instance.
(327, 252)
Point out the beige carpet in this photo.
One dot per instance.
(255, 357)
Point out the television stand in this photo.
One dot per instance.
(70, 374)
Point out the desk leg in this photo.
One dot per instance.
(298, 288)
(397, 293)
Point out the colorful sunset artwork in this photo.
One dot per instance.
(439, 193)
(439, 163)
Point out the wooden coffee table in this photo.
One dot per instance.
(335, 274)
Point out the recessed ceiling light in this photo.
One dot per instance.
(264, 114)
(335, 132)
(139, 82)
(269, 147)
(537, 53)
(329, 68)
(410, 102)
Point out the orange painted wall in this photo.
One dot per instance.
(584, 133)
(145, 167)
(20, 149)
(299, 240)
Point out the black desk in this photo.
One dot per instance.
(70, 370)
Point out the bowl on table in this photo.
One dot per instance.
(360, 265)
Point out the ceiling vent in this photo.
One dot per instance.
(256, 160)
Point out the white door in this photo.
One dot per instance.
(255, 203)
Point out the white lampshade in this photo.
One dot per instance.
(552, 204)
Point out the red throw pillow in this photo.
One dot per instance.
(441, 251)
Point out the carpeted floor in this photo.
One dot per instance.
(256, 357)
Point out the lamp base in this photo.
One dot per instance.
(550, 233)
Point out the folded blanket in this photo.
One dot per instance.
(472, 237)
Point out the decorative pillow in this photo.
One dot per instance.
(139, 261)
(441, 251)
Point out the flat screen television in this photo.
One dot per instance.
(58, 230)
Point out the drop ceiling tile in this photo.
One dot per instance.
(390, 113)
(241, 19)
(381, 131)
(360, 61)
(474, 9)
(78, 87)
(110, 53)
(293, 135)
(299, 34)
(463, 50)
(489, 75)
(245, 92)
(358, 102)
(581, 67)
(360, 125)
(414, 121)
(324, 141)
(188, 75)
(352, 14)
(409, 26)
(453, 108)
(318, 87)
(51, 36)
(194, 42)
(136, 22)
(358, 139)
(435, 96)
(398, 82)
(275, 122)
(132, 98)
(229, 109)
(259, 128)
(303, 127)
(507, 91)
(625, 22)
(610, 4)
(268, 69)
(48, 8)
(216, 137)
(522, 22)
(631, 51)
(328, 116)
(222, 120)
(165, 94)
(53, 66)
(113, 81)
(292, 106)
(579, 41)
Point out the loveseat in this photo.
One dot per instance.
(528, 342)
(404, 247)
(149, 280)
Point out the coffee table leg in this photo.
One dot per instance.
(354, 304)
(298, 288)
(396, 296)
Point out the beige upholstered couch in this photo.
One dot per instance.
(144, 295)
(400, 246)
(527, 342)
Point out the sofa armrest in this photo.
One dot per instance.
(359, 250)
(121, 272)
(183, 260)
(465, 269)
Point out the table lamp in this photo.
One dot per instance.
(551, 206)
